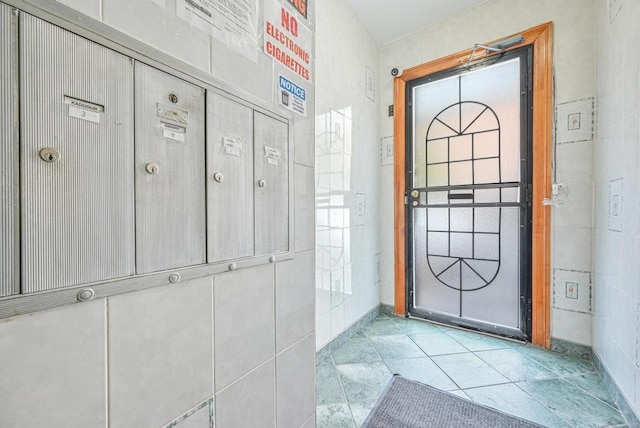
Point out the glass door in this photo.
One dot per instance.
(469, 181)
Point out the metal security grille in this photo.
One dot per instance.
(468, 211)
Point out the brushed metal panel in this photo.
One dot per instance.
(9, 163)
(230, 201)
(170, 204)
(271, 164)
(78, 215)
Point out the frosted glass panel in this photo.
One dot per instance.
(430, 292)
(466, 138)
(461, 219)
(461, 173)
(438, 219)
(438, 175)
(499, 302)
(487, 171)
(461, 148)
(437, 151)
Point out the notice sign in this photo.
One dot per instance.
(292, 96)
(287, 40)
(233, 22)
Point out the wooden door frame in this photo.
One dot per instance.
(541, 37)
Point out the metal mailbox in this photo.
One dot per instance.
(230, 179)
(77, 150)
(271, 183)
(169, 177)
(9, 234)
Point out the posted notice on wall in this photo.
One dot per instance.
(287, 39)
(233, 22)
(292, 96)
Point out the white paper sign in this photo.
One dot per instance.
(84, 110)
(273, 155)
(292, 96)
(287, 39)
(173, 132)
(233, 22)
(232, 146)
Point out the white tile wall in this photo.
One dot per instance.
(88, 7)
(160, 352)
(249, 402)
(304, 208)
(53, 368)
(295, 384)
(617, 169)
(244, 322)
(295, 305)
(346, 160)
(160, 28)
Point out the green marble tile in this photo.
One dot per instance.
(514, 365)
(510, 399)
(422, 370)
(397, 346)
(334, 416)
(356, 350)
(411, 326)
(572, 403)
(560, 364)
(460, 393)
(326, 362)
(328, 386)
(364, 381)
(381, 327)
(478, 342)
(361, 410)
(468, 371)
(594, 386)
(437, 343)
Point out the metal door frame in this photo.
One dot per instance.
(525, 54)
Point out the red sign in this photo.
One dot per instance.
(287, 40)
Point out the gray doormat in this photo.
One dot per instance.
(408, 404)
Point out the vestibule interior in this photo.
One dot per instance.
(593, 286)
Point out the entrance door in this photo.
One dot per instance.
(468, 194)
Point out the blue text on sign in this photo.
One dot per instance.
(289, 86)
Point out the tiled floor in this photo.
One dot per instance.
(545, 387)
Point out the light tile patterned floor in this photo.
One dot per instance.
(545, 387)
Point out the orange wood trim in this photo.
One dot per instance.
(542, 142)
(541, 37)
(399, 172)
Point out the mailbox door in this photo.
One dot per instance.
(77, 151)
(271, 142)
(10, 251)
(229, 179)
(169, 171)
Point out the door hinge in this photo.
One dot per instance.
(406, 200)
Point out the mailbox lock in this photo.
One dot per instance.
(173, 98)
(49, 155)
(85, 294)
(174, 277)
(262, 183)
(152, 168)
(233, 266)
(219, 177)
